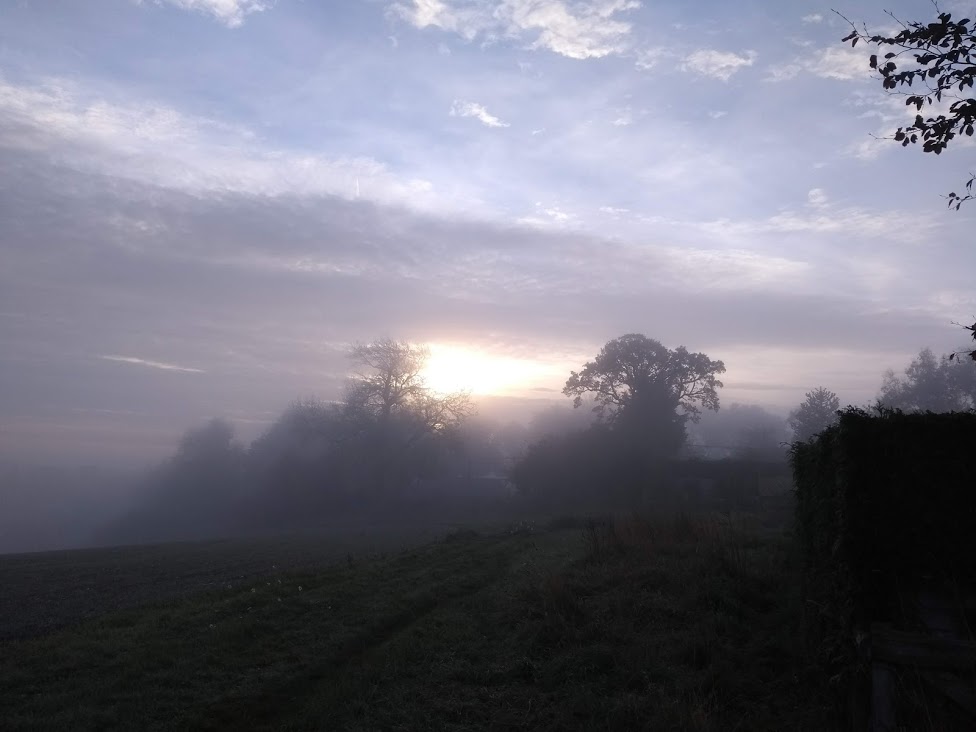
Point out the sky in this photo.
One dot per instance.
(204, 203)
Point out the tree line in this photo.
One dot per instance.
(393, 444)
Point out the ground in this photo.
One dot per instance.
(626, 624)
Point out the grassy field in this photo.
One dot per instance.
(679, 624)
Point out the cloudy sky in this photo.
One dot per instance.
(204, 202)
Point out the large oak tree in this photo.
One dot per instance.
(646, 391)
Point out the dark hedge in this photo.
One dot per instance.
(886, 503)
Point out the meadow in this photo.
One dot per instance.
(626, 623)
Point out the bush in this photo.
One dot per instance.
(885, 504)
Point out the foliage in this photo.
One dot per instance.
(941, 58)
(639, 385)
(931, 384)
(817, 412)
(882, 502)
(198, 492)
(633, 365)
(971, 354)
(740, 430)
(591, 468)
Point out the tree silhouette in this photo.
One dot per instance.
(644, 390)
(931, 384)
(815, 414)
(390, 408)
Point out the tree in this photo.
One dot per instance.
(389, 405)
(971, 354)
(942, 59)
(815, 414)
(931, 384)
(639, 386)
(740, 429)
(943, 62)
(201, 491)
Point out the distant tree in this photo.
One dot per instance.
(815, 414)
(390, 383)
(559, 420)
(644, 390)
(200, 491)
(762, 442)
(740, 430)
(941, 66)
(390, 409)
(931, 384)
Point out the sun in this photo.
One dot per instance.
(453, 368)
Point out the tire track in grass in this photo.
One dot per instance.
(264, 709)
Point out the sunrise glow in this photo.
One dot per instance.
(453, 368)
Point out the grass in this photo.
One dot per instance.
(623, 624)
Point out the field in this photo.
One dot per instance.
(626, 624)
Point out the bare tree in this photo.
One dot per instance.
(389, 404)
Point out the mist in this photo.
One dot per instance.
(443, 364)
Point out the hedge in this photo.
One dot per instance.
(885, 504)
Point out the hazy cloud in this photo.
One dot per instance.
(229, 12)
(720, 65)
(649, 58)
(157, 144)
(151, 364)
(580, 30)
(477, 111)
(842, 63)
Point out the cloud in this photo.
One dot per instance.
(812, 18)
(229, 12)
(152, 364)
(477, 111)
(717, 64)
(840, 62)
(580, 30)
(548, 216)
(255, 292)
(817, 198)
(648, 58)
(157, 144)
(826, 218)
(625, 119)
